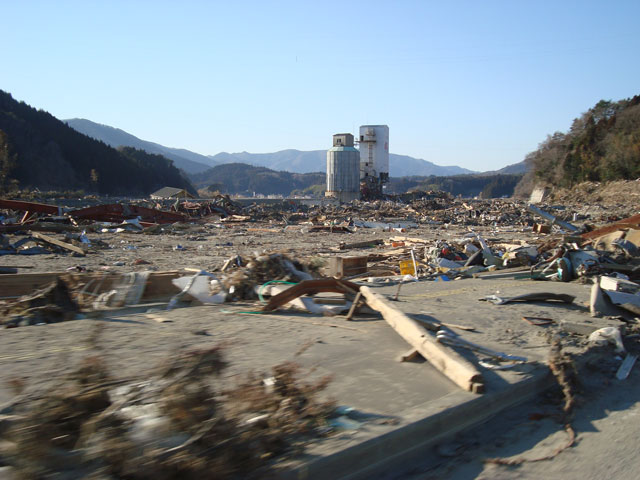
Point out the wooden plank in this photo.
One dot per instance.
(445, 360)
(310, 287)
(159, 285)
(631, 222)
(410, 239)
(24, 283)
(58, 243)
(354, 305)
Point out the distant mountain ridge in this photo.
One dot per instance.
(513, 169)
(297, 161)
(290, 160)
(188, 161)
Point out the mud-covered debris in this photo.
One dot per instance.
(179, 424)
(242, 281)
(48, 305)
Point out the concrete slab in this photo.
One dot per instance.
(368, 452)
(412, 405)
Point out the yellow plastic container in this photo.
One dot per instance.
(406, 267)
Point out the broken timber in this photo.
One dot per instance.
(310, 287)
(448, 362)
(52, 241)
(158, 286)
(630, 222)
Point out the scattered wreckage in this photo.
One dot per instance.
(571, 253)
(334, 282)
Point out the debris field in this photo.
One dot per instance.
(91, 388)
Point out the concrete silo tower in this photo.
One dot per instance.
(343, 169)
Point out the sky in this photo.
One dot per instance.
(478, 84)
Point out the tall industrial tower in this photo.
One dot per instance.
(374, 159)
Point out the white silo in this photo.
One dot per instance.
(374, 153)
(343, 169)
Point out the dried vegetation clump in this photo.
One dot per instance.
(178, 424)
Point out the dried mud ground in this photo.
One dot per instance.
(133, 342)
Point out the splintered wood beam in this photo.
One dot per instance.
(448, 362)
(52, 241)
(310, 287)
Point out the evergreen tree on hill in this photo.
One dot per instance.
(603, 144)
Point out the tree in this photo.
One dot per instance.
(94, 178)
(7, 163)
(602, 144)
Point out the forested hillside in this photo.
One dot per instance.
(44, 152)
(188, 161)
(246, 179)
(603, 144)
(485, 186)
(238, 178)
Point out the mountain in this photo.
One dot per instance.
(44, 152)
(403, 166)
(240, 178)
(295, 161)
(188, 161)
(291, 160)
(513, 169)
(468, 185)
(248, 179)
(315, 161)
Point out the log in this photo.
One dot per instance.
(445, 360)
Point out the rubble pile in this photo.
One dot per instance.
(242, 276)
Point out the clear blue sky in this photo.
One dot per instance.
(477, 84)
